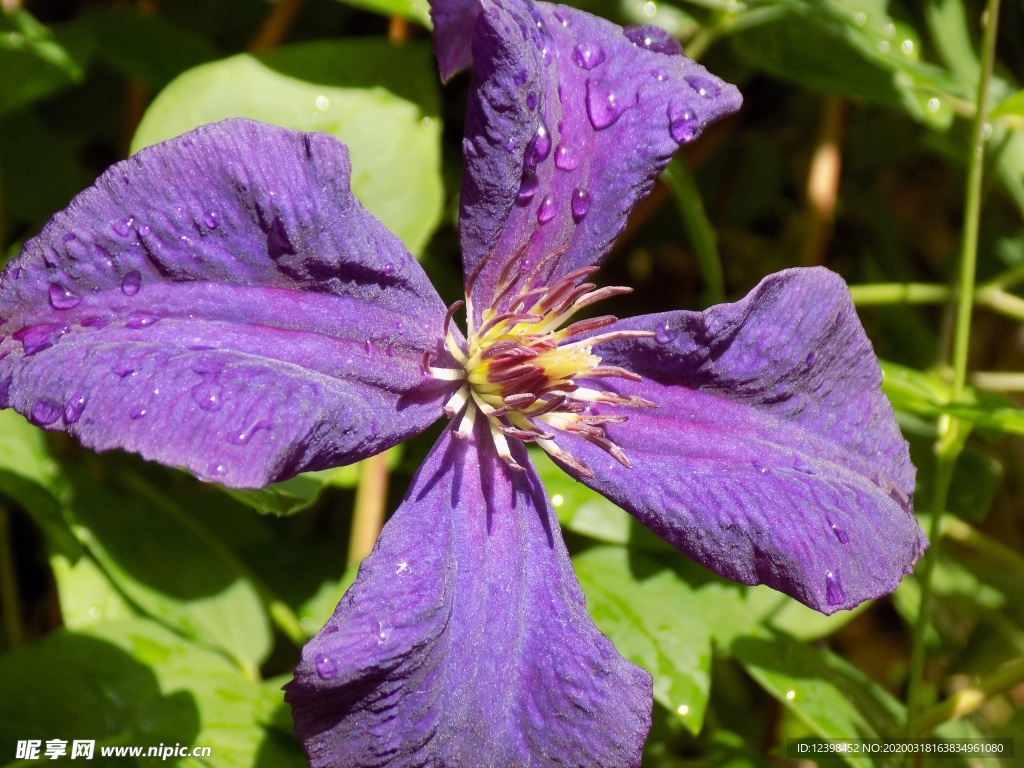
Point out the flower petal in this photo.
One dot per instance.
(773, 456)
(570, 119)
(465, 641)
(222, 302)
(453, 33)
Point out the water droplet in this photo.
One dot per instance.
(322, 102)
(666, 335)
(73, 409)
(562, 17)
(883, 46)
(94, 321)
(531, 100)
(986, 131)
(210, 220)
(69, 237)
(605, 105)
(811, 357)
(245, 436)
(580, 204)
(520, 77)
(833, 590)
(843, 536)
(144, 230)
(528, 186)
(682, 123)
(567, 158)
(790, 695)
(208, 395)
(546, 212)
(588, 55)
(705, 88)
(216, 470)
(137, 411)
(141, 320)
(123, 227)
(650, 9)
(933, 105)
(369, 347)
(889, 30)
(653, 39)
(907, 46)
(131, 283)
(36, 338)
(860, 18)
(389, 269)
(539, 148)
(802, 466)
(325, 667)
(45, 411)
(658, 75)
(63, 298)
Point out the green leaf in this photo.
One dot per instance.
(833, 698)
(174, 571)
(30, 478)
(413, 10)
(580, 509)
(86, 595)
(1013, 105)
(36, 61)
(923, 394)
(146, 46)
(381, 100)
(136, 683)
(654, 621)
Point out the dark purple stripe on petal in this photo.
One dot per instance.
(570, 120)
(465, 641)
(222, 302)
(773, 456)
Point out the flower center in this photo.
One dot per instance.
(523, 370)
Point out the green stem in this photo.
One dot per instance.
(371, 501)
(951, 432)
(11, 600)
(702, 235)
(965, 701)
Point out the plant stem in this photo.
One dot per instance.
(702, 235)
(823, 183)
(965, 701)
(275, 26)
(371, 499)
(951, 432)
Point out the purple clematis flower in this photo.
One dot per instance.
(222, 303)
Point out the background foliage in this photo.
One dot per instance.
(141, 607)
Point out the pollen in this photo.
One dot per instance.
(525, 370)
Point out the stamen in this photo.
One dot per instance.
(466, 424)
(457, 401)
(444, 374)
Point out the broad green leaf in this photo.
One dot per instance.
(654, 621)
(833, 698)
(87, 596)
(136, 683)
(174, 571)
(36, 61)
(580, 509)
(1012, 105)
(381, 100)
(315, 611)
(924, 394)
(413, 10)
(31, 478)
(146, 46)
(951, 34)
(299, 493)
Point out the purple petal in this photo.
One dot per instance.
(222, 302)
(570, 120)
(465, 641)
(773, 456)
(453, 33)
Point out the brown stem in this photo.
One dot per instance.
(371, 499)
(275, 26)
(823, 183)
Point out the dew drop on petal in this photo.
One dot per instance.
(653, 39)
(539, 148)
(546, 212)
(527, 186)
(144, 230)
(666, 334)
(325, 667)
(531, 100)
(45, 411)
(210, 219)
(131, 283)
(580, 204)
(73, 409)
(682, 123)
(94, 321)
(63, 298)
(123, 227)
(833, 590)
(605, 104)
(137, 412)
(244, 437)
(216, 470)
(843, 536)
(519, 78)
(705, 88)
(69, 237)
(36, 338)
(802, 466)
(566, 158)
(588, 55)
(208, 395)
(141, 320)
